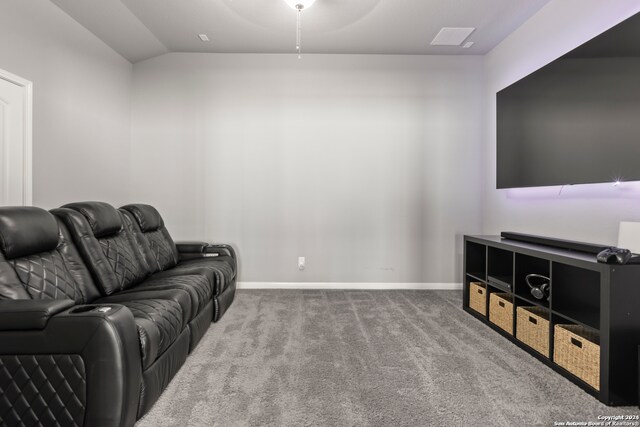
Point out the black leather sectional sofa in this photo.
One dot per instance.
(99, 309)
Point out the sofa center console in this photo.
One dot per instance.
(578, 316)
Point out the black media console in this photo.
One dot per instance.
(602, 298)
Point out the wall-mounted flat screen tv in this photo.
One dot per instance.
(577, 119)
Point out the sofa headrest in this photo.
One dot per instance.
(147, 217)
(26, 231)
(103, 218)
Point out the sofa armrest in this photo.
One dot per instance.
(191, 247)
(194, 249)
(20, 315)
(93, 349)
(221, 249)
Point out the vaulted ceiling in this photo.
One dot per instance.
(141, 29)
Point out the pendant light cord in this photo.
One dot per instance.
(299, 8)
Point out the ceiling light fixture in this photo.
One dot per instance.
(299, 6)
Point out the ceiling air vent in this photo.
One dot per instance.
(450, 36)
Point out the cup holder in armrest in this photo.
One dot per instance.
(93, 308)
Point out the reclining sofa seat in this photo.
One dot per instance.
(104, 238)
(63, 364)
(166, 258)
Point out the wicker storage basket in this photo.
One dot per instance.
(501, 311)
(478, 297)
(577, 349)
(532, 328)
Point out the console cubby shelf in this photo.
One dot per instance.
(600, 297)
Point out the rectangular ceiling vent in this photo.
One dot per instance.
(452, 36)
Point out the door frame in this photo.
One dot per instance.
(27, 167)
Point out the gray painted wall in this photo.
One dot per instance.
(370, 166)
(583, 212)
(366, 165)
(81, 104)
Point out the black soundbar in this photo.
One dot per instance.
(590, 248)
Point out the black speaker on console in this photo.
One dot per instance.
(590, 248)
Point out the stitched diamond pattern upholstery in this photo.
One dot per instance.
(221, 266)
(202, 286)
(224, 263)
(42, 390)
(199, 288)
(165, 314)
(161, 249)
(121, 257)
(45, 276)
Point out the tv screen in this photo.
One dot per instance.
(577, 119)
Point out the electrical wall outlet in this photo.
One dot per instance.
(301, 262)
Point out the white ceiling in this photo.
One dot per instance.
(141, 29)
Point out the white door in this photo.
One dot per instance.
(15, 140)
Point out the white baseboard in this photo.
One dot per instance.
(347, 285)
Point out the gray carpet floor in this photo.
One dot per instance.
(363, 358)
